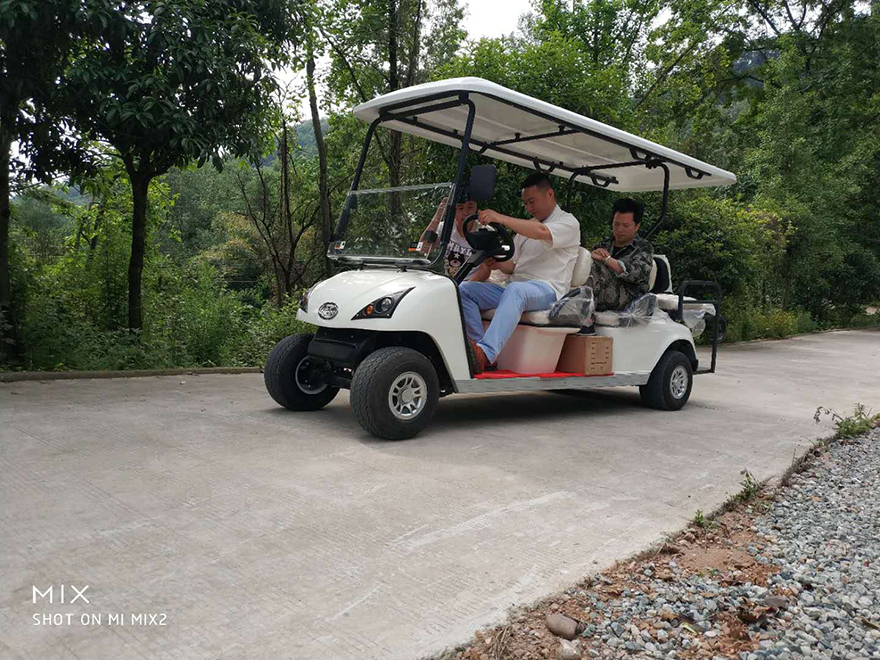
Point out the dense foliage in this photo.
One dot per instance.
(783, 93)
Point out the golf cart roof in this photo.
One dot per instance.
(526, 131)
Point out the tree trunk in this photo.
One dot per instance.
(393, 85)
(786, 269)
(140, 185)
(279, 286)
(8, 329)
(414, 48)
(323, 188)
(286, 216)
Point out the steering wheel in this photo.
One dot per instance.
(494, 239)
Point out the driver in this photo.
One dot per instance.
(457, 250)
(545, 253)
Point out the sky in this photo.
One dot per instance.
(493, 18)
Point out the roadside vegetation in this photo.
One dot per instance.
(156, 234)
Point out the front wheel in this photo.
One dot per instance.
(394, 393)
(290, 376)
(669, 387)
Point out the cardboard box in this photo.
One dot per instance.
(586, 354)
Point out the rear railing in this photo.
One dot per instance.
(716, 302)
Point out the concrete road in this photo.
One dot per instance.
(253, 532)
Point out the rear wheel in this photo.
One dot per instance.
(669, 387)
(722, 328)
(290, 376)
(394, 393)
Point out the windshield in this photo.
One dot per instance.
(389, 224)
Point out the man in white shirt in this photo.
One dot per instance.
(546, 250)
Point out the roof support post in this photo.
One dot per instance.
(459, 172)
(662, 219)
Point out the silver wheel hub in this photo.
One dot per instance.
(678, 383)
(301, 375)
(408, 395)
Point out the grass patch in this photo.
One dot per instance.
(861, 421)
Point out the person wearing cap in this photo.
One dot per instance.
(546, 250)
(457, 250)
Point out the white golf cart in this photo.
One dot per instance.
(390, 328)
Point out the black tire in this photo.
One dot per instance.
(664, 389)
(280, 376)
(371, 390)
(722, 329)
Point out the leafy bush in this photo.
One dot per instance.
(746, 324)
(262, 329)
(805, 323)
(716, 239)
(57, 341)
(861, 421)
(775, 325)
(193, 320)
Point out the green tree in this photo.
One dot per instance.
(380, 46)
(37, 41)
(176, 81)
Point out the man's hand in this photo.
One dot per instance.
(604, 257)
(488, 215)
(483, 271)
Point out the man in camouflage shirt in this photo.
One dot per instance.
(621, 264)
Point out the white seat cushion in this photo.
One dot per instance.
(582, 268)
(532, 318)
(669, 302)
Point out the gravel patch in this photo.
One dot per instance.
(792, 575)
(825, 542)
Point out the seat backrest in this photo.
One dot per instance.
(582, 267)
(661, 279)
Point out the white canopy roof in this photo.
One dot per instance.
(504, 119)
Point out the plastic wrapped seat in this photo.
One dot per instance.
(575, 308)
(638, 312)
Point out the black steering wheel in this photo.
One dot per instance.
(494, 239)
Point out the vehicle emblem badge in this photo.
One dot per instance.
(328, 310)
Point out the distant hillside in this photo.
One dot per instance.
(305, 137)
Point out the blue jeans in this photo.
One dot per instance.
(508, 302)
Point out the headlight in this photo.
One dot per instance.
(381, 308)
(304, 298)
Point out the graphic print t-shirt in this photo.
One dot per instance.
(457, 252)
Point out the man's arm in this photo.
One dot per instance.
(525, 228)
(602, 256)
(480, 273)
(637, 266)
